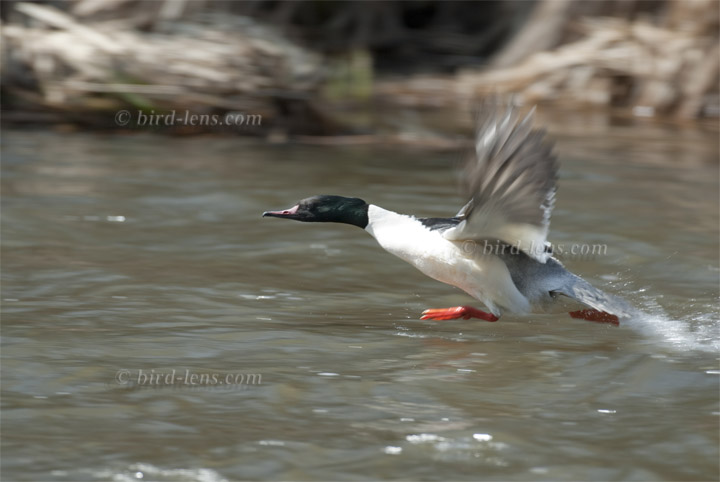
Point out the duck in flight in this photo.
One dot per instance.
(495, 248)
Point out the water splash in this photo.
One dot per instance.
(698, 330)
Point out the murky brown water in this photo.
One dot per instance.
(123, 254)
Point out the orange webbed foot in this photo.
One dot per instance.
(464, 312)
(596, 316)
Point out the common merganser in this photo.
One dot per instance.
(495, 248)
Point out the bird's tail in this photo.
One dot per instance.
(585, 293)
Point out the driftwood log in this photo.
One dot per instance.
(669, 70)
(207, 63)
(88, 59)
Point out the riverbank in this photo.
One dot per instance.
(196, 70)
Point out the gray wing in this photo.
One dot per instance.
(510, 182)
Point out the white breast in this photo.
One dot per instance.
(484, 277)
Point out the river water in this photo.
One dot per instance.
(155, 327)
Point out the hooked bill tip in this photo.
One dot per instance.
(279, 214)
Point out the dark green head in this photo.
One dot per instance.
(327, 209)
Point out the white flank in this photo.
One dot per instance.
(527, 237)
(484, 277)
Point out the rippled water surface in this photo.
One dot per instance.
(126, 257)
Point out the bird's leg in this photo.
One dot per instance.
(465, 312)
(595, 315)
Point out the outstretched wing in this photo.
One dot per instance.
(511, 182)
